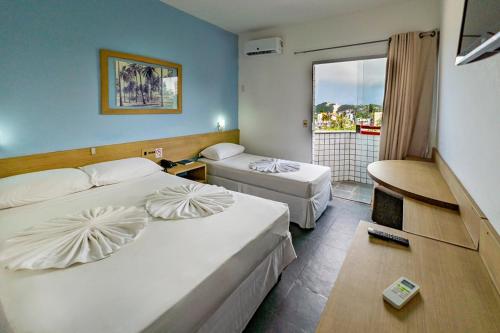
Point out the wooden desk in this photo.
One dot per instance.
(435, 222)
(427, 199)
(457, 294)
(414, 179)
(196, 171)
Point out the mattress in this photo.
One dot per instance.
(305, 183)
(172, 278)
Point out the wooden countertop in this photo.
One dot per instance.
(414, 179)
(456, 295)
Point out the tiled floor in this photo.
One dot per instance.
(353, 191)
(296, 302)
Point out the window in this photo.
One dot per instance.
(348, 93)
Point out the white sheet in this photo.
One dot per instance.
(175, 276)
(303, 212)
(305, 183)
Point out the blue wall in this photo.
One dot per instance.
(49, 72)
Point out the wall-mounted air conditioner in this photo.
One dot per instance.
(272, 45)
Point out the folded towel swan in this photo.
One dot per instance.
(91, 235)
(274, 165)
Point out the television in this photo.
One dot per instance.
(480, 31)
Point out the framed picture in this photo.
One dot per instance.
(132, 84)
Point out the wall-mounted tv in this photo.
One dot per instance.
(480, 32)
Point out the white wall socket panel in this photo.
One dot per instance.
(152, 153)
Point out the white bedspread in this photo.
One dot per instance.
(305, 183)
(173, 277)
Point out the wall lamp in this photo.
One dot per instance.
(220, 125)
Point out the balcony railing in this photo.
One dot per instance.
(347, 153)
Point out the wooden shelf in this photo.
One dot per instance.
(196, 171)
(435, 222)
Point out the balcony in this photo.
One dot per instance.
(347, 153)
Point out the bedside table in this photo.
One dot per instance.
(196, 171)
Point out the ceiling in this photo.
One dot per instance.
(247, 15)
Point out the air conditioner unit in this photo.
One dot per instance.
(272, 45)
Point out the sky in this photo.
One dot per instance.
(350, 82)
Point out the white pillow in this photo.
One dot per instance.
(113, 172)
(221, 151)
(39, 186)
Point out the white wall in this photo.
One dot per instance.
(277, 94)
(469, 117)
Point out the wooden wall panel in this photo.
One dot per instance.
(489, 250)
(175, 148)
(469, 211)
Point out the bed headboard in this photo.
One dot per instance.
(175, 148)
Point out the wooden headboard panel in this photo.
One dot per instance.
(176, 148)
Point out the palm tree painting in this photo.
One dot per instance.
(134, 84)
(142, 85)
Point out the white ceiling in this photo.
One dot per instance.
(246, 15)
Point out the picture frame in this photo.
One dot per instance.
(133, 84)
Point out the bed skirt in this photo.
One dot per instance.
(303, 212)
(235, 313)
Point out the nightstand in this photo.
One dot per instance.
(196, 171)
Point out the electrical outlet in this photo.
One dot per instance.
(152, 153)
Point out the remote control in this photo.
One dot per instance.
(400, 292)
(388, 237)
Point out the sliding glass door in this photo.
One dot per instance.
(347, 114)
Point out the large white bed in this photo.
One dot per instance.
(307, 191)
(207, 274)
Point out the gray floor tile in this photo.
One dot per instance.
(319, 277)
(338, 239)
(304, 308)
(353, 191)
(284, 326)
(296, 302)
(262, 321)
(279, 293)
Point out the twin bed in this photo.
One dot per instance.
(306, 191)
(206, 274)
